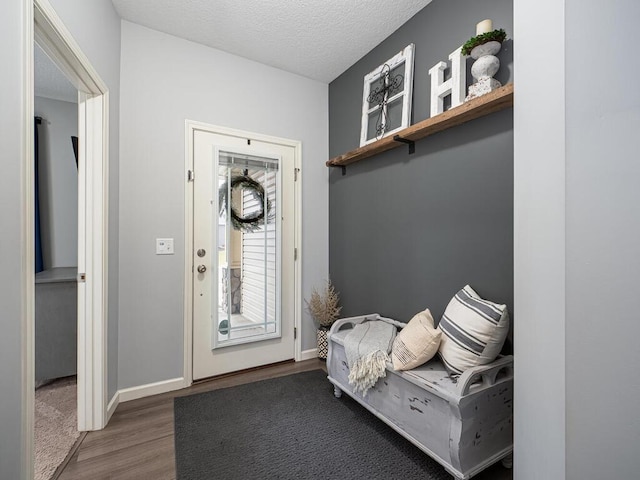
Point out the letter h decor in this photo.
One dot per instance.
(455, 86)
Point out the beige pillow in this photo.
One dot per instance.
(416, 343)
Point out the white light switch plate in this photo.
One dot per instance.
(164, 246)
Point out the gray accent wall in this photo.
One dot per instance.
(408, 231)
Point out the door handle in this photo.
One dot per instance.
(202, 269)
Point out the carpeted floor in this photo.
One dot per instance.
(56, 425)
(290, 428)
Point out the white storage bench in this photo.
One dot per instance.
(466, 425)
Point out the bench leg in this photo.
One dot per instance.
(507, 462)
(337, 392)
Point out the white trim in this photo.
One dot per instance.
(113, 404)
(297, 195)
(308, 355)
(190, 127)
(92, 346)
(58, 43)
(141, 391)
(93, 123)
(84, 397)
(27, 339)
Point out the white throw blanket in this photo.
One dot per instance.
(367, 347)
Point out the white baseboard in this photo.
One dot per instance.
(113, 404)
(133, 393)
(141, 391)
(308, 354)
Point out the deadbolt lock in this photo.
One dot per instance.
(201, 252)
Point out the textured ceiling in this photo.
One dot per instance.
(49, 82)
(319, 39)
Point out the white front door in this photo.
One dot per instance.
(242, 253)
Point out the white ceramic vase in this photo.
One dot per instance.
(486, 65)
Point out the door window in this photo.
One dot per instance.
(248, 249)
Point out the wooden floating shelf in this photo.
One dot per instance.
(478, 107)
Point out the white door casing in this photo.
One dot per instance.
(203, 144)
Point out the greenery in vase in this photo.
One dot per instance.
(494, 36)
(323, 306)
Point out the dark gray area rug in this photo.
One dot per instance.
(290, 428)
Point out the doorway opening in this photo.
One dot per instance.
(56, 255)
(93, 175)
(43, 26)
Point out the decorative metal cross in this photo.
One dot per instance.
(387, 87)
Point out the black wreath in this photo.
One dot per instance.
(251, 222)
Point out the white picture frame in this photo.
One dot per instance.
(387, 97)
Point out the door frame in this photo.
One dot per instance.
(191, 126)
(42, 24)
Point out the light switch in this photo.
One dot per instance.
(164, 246)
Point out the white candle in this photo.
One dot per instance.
(484, 26)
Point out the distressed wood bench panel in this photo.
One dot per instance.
(465, 425)
(409, 409)
(485, 423)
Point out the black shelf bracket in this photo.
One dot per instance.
(411, 143)
(343, 167)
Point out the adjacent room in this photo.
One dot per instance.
(318, 239)
(56, 253)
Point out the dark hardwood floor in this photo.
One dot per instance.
(138, 443)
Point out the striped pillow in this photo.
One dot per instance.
(473, 331)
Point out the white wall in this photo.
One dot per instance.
(577, 240)
(13, 279)
(539, 241)
(58, 180)
(603, 240)
(95, 25)
(166, 80)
